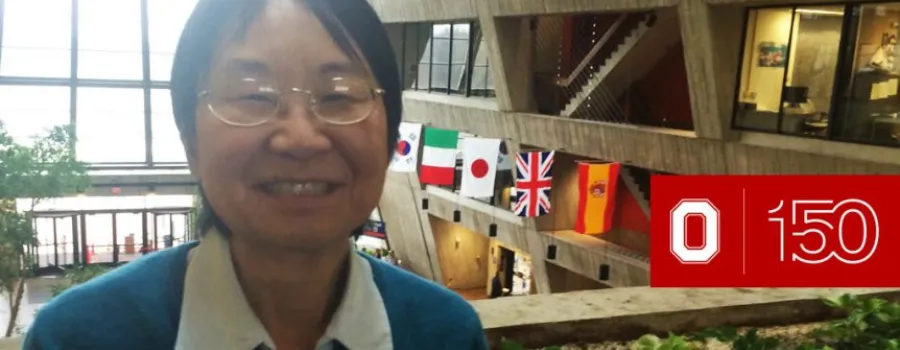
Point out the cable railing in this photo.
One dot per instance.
(594, 100)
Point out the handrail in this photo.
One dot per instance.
(594, 50)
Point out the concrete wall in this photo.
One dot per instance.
(563, 280)
(410, 236)
(463, 255)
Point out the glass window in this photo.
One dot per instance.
(37, 48)
(788, 70)
(460, 56)
(167, 145)
(98, 237)
(166, 19)
(482, 80)
(763, 68)
(870, 111)
(444, 59)
(110, 125)
(109, 39)
(440, 56)
(29, 111)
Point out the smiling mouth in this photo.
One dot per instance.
(298, 189)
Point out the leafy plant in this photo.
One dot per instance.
(870, 324)
(652, 342)
(43, 169)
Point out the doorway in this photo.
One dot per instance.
(107, 237)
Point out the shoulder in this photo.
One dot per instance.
(140, 294)
(434, 312)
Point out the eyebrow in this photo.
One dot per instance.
(241, 65)
(341, 67)
(256, 67)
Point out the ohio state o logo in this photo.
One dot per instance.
(678, 227)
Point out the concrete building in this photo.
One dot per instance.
(661, 86)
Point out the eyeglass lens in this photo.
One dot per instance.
(250, 101)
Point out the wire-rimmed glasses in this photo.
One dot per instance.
(249, 102)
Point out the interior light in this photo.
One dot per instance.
(821, 12)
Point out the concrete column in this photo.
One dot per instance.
(538, 252)
(426, 233)
(408, 227)
(510, 45)
(712, 39)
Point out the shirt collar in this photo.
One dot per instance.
(215, 313)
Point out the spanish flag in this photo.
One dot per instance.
(596, 196)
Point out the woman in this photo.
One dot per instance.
(289, 111)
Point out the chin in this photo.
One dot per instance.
(302, 235)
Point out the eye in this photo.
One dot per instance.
(257, 98)
(334, 97)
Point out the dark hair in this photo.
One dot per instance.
(352, 24)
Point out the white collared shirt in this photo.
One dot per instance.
(215, 314)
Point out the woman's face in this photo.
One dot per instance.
(296, 180)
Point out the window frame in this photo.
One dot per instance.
(463, 84)
(74, 83)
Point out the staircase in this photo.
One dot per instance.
(597, 93)
(637, 180)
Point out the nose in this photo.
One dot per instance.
(299, 133)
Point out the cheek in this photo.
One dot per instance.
(370, 157)
(221, 151)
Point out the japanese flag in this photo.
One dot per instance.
(479, 167)
(406, 156)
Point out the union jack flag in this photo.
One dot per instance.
(533, 182)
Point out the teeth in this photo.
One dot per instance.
(299, 189)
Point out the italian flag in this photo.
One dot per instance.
(439, 156)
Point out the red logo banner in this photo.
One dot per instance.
(775, 231)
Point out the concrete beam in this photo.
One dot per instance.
(544, 7)
(781, 2)
(510, 45)
(658, 149)
(140, 184)
(393, 11)
(628, 313)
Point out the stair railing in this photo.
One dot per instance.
(603, 105)
(593, 52)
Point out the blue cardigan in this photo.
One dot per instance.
(137, 306)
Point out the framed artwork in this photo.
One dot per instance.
(772, 54)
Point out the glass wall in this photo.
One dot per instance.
(113, 229)
(822, 71)
(445, 57)
(104, 79)
(870, 104)
(787, 75)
